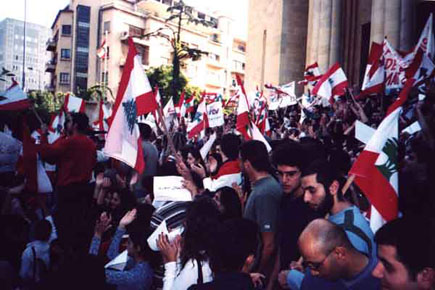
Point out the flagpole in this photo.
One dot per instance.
(106, 79)
(165, 131)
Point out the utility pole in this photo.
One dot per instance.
(24, 45)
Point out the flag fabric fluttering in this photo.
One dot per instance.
(73, 104)
(374, 76)
(376, 168)
(421, 68)
(134, 98)
(179, 108)
(311, 75)
(103, 114)
(199, 122)
(333, 83)
(425, 43)
(14, 98)
(102, 50)
(243, 123)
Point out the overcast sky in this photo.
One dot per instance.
(43, 12)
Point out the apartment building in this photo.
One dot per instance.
(81, 27)
(12, 53)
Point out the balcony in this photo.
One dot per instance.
(51, 44)
(50, 88)
(50, 66)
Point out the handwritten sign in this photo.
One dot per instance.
(170, 188)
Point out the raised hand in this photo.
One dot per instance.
(169, 250)
(127, 219)
(102, 224)
(199, 169)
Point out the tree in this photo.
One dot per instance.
(162, 77)
(181, 14)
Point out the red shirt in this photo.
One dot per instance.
(75, 158)
(229, 167)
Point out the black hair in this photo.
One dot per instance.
(230, 202)
(238, 238)
(81, 120)
(199, 237)
(290, 154)
(414, 242)
(230, 146)
(325, 174)
(256, 153)
(42, 230)
(145, 131)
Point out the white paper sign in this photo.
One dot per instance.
(170, 188)
(119, 262)
(413, 128)
(215, 114)
(363, 132)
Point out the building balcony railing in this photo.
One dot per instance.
(50, 66)
(51, 44)
(50, 88)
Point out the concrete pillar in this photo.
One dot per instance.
(324, 34)
(377, 21)
(334, 49)
(407, 25)
(314, 39)
(392, 14)
(310, 43)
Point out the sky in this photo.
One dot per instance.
(43, 12)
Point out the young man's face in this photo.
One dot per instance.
(290, 177)
(316, 195)
(392, 272)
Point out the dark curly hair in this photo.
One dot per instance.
(200, 230)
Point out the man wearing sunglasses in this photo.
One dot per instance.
(328, 254)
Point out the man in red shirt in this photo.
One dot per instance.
(75, 158)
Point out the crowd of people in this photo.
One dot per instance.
(256, 220)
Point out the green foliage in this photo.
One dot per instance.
(162, 77)
(46, 101)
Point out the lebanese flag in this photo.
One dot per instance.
(13, 98)
(311, 74)
(199, 122)
(243, 123)
(30, 165)
(189, 105)
(102, 50)
(179, 108)
(57, 122)
(73, 104)
(376, 168)
(374, 76)
(103, 114)
(170, 114)
(263, 122)
(332, 83)
(425, 43)
(421, 68)
(135, 97)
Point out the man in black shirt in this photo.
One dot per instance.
(295, 214)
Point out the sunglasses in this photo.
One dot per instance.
(315, 266)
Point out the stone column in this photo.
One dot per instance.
(407, 25)
(392, 15)
(334, 49)
(377, 21)
(315, 8)
(324, 35)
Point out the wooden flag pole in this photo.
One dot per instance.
(346, 186)
(37, 115)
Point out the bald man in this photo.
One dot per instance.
(330, 257)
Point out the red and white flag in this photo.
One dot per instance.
(199, 122)
(181, 112)
(243, 122)
(333, 83)
(421, 68)
(57, 122)
(103, 114)
(189, 105)
(73, 104)
(376, 169)
(425, 43)
(102, 50)
(134, 98)
(374, 76)
(13, 98)
(311, 74)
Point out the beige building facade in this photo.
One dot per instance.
(93, 20)
(285, 36)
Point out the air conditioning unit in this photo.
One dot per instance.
(124, 35)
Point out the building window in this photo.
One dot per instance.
(105, 77)
(82, 48)
(167, 2)
(64, 78)
(134, 31)
(65, 53)
(214, 56)
(66, 29)
(144, 52)
(215, 22)
(201, 15)
(215, 37)
(106, 26)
